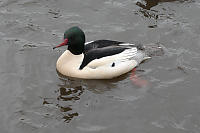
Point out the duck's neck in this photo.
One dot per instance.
(76, 49)
(70, 60)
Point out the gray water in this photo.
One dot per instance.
(34, 98)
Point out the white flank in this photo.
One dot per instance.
(104, 68)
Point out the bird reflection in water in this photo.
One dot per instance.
(67, 96)
(70, 95)
(70, 91)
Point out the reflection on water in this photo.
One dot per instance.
(163, 13)
(96, 86)
(67, 95)
(148, 4)
(71, 89)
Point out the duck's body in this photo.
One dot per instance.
(102, 59)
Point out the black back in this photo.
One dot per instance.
(100, 44)
(99, 49)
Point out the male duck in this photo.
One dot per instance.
(101, 59)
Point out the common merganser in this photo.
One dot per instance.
(101, 59)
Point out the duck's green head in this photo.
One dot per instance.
(75, 39)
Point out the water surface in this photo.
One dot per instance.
(34, 98)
